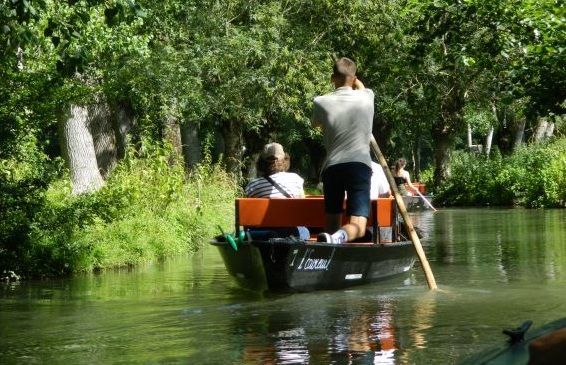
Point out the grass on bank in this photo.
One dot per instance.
(148, 210)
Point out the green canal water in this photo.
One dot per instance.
(496, 268)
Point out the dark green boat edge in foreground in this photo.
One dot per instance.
(513, 354)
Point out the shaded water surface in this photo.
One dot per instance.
(496, 268)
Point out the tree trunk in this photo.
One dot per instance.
(233, 151)
(101, 127)
(382, 131)
(489, 138)
(417, 159)
(488, 141)
(549, 131)
(191, 145)
(519, 133)
(124, 121)
(540, 131)
(79, 152)
(172, 134)
(445, 130)
(442, 157)
(469, 137)
(252, 167)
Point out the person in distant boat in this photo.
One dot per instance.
(403, 177)
(275, 181)
(379, 185)
(346, 117)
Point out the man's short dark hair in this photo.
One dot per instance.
(344, 67)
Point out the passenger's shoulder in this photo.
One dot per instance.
(319, 99)
(290, 175)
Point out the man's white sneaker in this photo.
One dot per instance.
(325, 237)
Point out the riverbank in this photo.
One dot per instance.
(148, 210)
(534, 176)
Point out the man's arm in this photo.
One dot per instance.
(358, 85)
(316, 114)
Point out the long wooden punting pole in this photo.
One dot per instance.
(401, 204)
(426, 200)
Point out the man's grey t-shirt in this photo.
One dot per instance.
(346, 116)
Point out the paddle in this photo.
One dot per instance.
(425, 200)
(401, 204)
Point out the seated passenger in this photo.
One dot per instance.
(402, 177)
(379, 186)
(275, 181)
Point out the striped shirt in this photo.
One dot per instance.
(289, 181)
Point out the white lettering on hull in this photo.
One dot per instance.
(312, 263)
(294, 257)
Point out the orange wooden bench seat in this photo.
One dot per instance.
(308, 212)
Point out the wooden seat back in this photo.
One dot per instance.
(421, 187)
(308, 212)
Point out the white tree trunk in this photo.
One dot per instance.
(79, 151)
(549, 130)
(519, 133)
(540, 132)
(488, 141)
(477, 148)
(20, 55)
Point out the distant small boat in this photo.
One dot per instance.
(516, 350)
(415, 202)
(263, 261)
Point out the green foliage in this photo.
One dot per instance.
(536, 174)
(250, 69)
(534, 177)
(148, 210)
(25, 172)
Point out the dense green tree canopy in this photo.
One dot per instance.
(245, 72)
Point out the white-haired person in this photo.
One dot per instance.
(276, 182)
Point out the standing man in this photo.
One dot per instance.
(346, 118)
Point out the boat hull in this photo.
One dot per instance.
(293, 265)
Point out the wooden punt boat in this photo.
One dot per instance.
(415, 203)
(545, 345)
(264, 261)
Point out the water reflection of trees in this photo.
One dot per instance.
(507, 245)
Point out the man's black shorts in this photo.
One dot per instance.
(353, 178)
